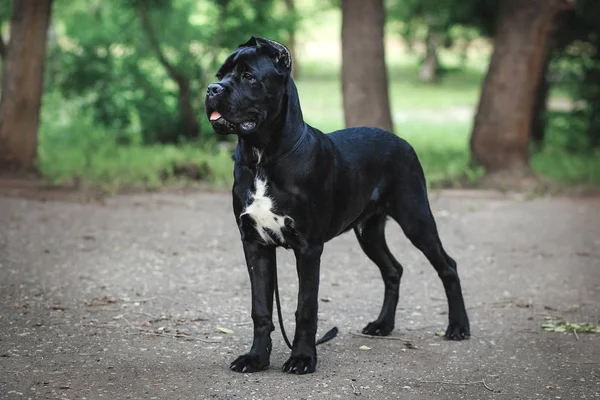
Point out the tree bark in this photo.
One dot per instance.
(364, 74)
(2, 48)
(501, 132)
(538, 116)
(291, 33)
(189, 122)
(540, 105)
(430, 67)
(22, 85)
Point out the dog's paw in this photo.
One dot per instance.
(377, 329)
(458, 331)
(300, 365)
(250, 362)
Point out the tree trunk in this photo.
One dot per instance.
(291, 33)
(364, 75)
(500, 138)
(538, 116)
(189, 122)
(429, 69)
(22, 85)
(191, 128)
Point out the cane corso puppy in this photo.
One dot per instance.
(297, 188)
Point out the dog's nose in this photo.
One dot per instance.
(214, 89)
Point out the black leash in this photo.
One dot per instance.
(327, 337)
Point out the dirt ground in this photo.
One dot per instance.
(127, 298)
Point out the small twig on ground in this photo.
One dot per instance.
(149, 332)
(482, 381)
(575, 333)
(582, 362)
(138, 300)
(104, 326)
(169, 335)
(170, 298)
(380, 337)
(129, 323)
(354, 391)
(487, 387)
(421, 328)
(146, 314)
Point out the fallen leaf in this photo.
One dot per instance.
(196, 319)
(549, 387)
(225, 330)
(440, 333)
(363, 347)
(325, 299)
(59, 308)
(552, 325)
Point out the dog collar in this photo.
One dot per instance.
(294, 147)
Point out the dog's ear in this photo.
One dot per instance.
(250, 43)
(279, 53)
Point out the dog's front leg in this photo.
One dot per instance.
(304, 353)
(261, 264)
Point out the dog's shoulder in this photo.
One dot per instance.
(369, 141)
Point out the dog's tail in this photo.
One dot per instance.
(327, 337)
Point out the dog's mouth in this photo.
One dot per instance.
(216, 119)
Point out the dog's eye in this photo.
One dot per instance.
(247, 76)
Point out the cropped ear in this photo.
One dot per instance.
(250, 43)
(279, 53)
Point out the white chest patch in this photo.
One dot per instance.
(260, 210)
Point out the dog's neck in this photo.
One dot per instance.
(279, 137)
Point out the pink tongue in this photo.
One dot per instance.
(214, 116)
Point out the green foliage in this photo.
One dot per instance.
(575, 70)
(127, 61)
(452, 19)
(566, 155)
(109, 97)
(74, 149)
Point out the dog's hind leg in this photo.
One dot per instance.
(371, 236)
(411, 210)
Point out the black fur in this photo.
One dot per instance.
(326, 185)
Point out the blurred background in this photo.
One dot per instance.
(110, 94)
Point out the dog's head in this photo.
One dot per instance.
(250, 89)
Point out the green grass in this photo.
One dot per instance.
(73, 150)
(435, 119)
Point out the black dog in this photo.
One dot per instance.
(298, 188)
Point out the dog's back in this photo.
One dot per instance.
(371, 165)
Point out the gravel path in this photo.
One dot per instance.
(123, 299)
